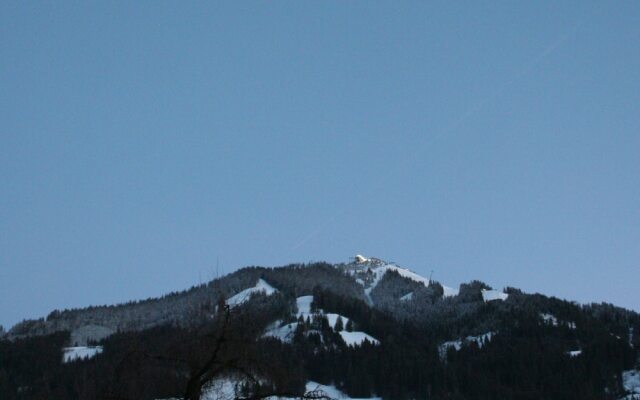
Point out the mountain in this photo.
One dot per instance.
(362, 329)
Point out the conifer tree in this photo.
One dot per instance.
(339, 325)
(349, 326)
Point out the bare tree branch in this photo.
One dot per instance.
(206, 372)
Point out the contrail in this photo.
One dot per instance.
(316, 231)
(475, 108)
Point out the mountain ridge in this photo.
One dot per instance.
(136, 315)
(366, 328)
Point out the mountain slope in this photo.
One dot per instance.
(366, 328)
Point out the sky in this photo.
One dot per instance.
(146, 147)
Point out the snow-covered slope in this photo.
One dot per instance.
(380, 271)
(449, 292)
(631, 383)
(332, 392)
(480, 340)
(357, 338)
(285, 332)
(491, 295)
(304, 306)
(261, 286)
(407, 297)
(229, 389)
(379, 268)
(549, 319)
(574, 353)
(80, 353)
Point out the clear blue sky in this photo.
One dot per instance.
(140, 143)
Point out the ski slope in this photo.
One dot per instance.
(380, 271)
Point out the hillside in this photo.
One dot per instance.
(365, 329)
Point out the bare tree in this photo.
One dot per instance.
(215, 364)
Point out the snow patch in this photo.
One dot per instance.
(379, 272)
(403, 272)
(631, 381)
(70, 354)
(574, 353)
(634, 396)
(549, 319)
(407, 297)
(357, 338)
(261, 287)
(221, 389)
(333, 319)
(480, 340)
(631, 384)
(367, 293)
(450, 292)
(304, 305)
(285, 332)
(491, 295)
(332, 392)
(229, 389)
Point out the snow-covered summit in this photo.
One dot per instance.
(378, 268)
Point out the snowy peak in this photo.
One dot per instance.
(368, 271)
(359, 259)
